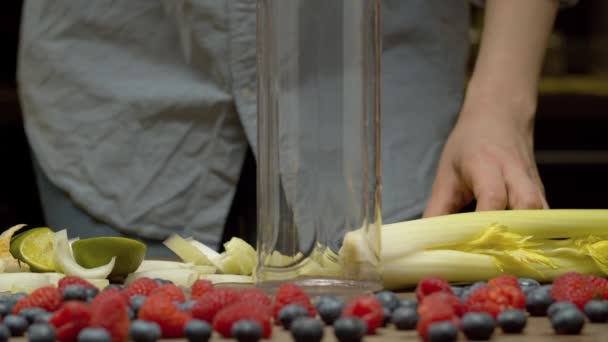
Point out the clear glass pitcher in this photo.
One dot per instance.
(319, 185)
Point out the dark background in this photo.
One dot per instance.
(572, 148)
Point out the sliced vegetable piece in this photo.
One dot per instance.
(65, 263)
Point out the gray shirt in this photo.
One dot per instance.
(141, 110)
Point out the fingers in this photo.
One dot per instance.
(448, 194)
(524, 191)
(488, 185)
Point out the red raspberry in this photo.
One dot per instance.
(369, 309)
(141, 287)
(199, 288)
(505, 279)
(231, 314)
(573, 287)
(430, 302)
(69, 319)
(438, 314)
(162, 311)
(256, 296)
(110, 293)
(290, 293)
(432, 284)
(47, 298)
(212, 302)
(495, 299)
(73, 280)
(600, 284)
(170, 291)
(111, 314)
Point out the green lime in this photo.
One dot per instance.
(95, 252)
(35, 248)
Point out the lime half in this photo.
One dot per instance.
(95, 252)
(35, 248)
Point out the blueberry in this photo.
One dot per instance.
(409, 303)
(43, 317)
(558, 306)
(470, 289)
(327, 299)
(388, 300)
(290, 312)
(197, 330)
(568, 321)
(132, 314)
(75, 292)
(185, 306)
(442, 332)
(350, 329)
(405, 318)
(247, 331)
(41, 332)
(15, 297)
(597, 311)
(30, 314)
(136, 302)
(306, 329)
(114, 286)
(330, 310)
(5, 333)
(4, 298)
(512, 321)
(94, 335)
(91, 293)
(386, 315)
(144, 331)
(161, 282)
(478, 326)
(527, 282)
(6, 309)
(457, 290)
(16, 324)
(538, 301)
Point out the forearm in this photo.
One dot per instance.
(511, 54)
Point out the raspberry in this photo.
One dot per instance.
(431, 284)
(112, 292)
(573, 287)
(170, 291)
(212, 302)
(440, 299)
(290, 293)
(141, 287)
(47, 298)
(199, 288)
(600, 284)
(73, 280)
(369, 309)
(111, 314)
(437, 314)
(495, 299)
(163, 312)
(505, 279)
(231, 314)
(256, 296)
(69, 319)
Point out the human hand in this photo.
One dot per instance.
(489, 157)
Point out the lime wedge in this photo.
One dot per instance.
(95, 252)
(35, 248)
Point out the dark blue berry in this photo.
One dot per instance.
(136, 302)
(327, 299)
(6, 309)
(597, 311)
(41, 332)
(114, 286)
(94, 335)
(306, 329)
(470, 289)
(386, 316)
(43, 317)
(144, 331)
(75, 292)
(478, 326)
(161, 282)
(350, 329)
(568, 321)
(512, 321)
(538, 301)
(330, 310)
(247, 331)
(290, 312)
(132, 314)
(409, 303)
(457, 290)
(15, 297)
(405, 318)
(16, 324)
(388, 300)
(558, 306)
(30, 314)
(185, 306)
(5, 333)
(442, 332)
(91, 293)
(527, 282)
(197, 331)
(4, 298)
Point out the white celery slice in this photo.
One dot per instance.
(65, 263)
(200, 269)
(213, 256)
(156, 265)
(17, 281)
(227, 279)
(239, 258)
(99, 283)
(186, 251)
(180, 277)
